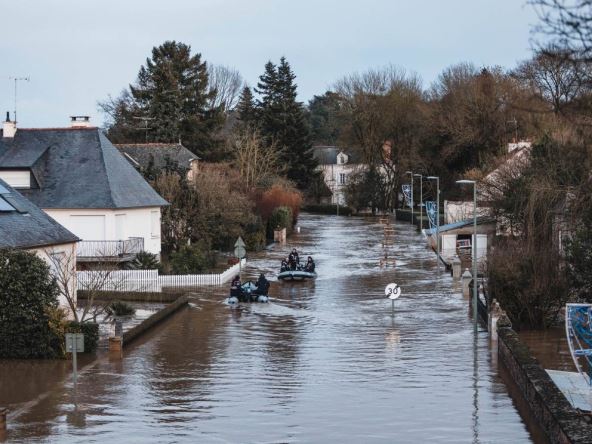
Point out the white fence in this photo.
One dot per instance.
(149, 280)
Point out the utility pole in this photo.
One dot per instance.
(16, 80)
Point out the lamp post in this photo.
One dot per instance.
(412, 203)
(437, 179)
(420, 200)
(475, 296)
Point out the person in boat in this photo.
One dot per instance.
(294, 259)
(235, 287)
(284, 266)
(262, 285)
(310, 265)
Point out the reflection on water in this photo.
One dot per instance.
(325, 361)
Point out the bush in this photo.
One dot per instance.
(328, 209)
(192, 259)
(280, 196)
(119, 308)
(90, 330)
(526, 284)
(144, 261)
(280, 218)
(254, 236)
(28, 294)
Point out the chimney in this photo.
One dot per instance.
(8, 127)
(80, 122)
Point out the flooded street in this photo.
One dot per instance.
(325, 361)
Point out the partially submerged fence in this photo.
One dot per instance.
(148, 280)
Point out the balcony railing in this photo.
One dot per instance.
(110, 250)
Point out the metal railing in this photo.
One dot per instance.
(110, 248)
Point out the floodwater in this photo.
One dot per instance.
(324, 362)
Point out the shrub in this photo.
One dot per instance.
(144, 261)
(120, 308)
(280, 196)
(90, 330)
(192, 259)
(280, 218)
(255, 236)
(28, 294)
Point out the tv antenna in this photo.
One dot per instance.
(16, 80)
(145, 127)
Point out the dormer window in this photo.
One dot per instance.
(20, 179)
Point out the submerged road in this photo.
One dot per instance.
(325, 362)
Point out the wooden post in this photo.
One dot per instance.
(116, 346)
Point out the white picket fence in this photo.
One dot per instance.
(149, 280)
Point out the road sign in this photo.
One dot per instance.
(392, 291)
(240, 252)
(239, 242)
(74, 342)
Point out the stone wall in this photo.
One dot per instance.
(157, 317)
(561, 422)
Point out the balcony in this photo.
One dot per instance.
(109, 250)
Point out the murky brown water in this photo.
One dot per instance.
(324, 362)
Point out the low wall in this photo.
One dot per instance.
(561, 422)
(132, 296)
(157, 317)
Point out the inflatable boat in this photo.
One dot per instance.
(296, 275)
(248, 295)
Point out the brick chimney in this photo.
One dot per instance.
(80, 122)
(8, 127)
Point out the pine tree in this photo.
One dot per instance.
(283, 121)
(172, 94)
(245, 109)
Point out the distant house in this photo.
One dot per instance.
(81, 180)
(337, 167)
(159, 156)
(26, 227)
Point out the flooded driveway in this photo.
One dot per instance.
(324, 362)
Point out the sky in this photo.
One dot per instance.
(77, 53)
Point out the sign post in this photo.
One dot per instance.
(392, 291)
(240, 252)
(75, 345)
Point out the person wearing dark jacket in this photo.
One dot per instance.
(235, 287)
(262, 285)
(310, 265)
(294, 259)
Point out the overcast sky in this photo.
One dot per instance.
(78, 52)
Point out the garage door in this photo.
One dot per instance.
(91, 228)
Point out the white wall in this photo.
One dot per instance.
(332, 175)
(459, 211)
(68, 255)
(17, 179)
(104, 225)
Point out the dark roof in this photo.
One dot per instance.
(23, 225)
(76, 168)
(481, 220)
(140, 154)
(327, 155)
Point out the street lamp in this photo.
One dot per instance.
(475, 296)
(412, 203)
(437, 179)
(420, 200)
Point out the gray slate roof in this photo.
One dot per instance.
(142, 154)
(76, 168)
(27, 226)
(327, 155)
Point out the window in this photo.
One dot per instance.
(155, 224)
(342, 178)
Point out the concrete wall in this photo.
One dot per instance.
(67, 257)
(117, 224)
(561, 422)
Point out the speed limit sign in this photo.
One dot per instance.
(392, 291)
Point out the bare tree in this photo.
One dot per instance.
(569, 23)
(254, 160)
(225, 84)
(102, 278)
(554, 77)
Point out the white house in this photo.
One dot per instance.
(25, 227)
(81, 180)
(337, 167)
